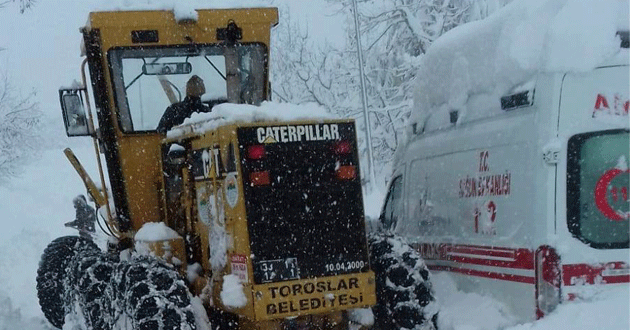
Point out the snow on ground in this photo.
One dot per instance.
(611, 313)
(35, 206)
(467, 311)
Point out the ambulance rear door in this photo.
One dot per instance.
(592, 204)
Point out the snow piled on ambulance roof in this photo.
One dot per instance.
(507, 49)
(227, 113)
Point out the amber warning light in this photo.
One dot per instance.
(346, 172)
(259, 178)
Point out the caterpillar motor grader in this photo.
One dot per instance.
(262, 222)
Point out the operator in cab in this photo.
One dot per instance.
(176, 113)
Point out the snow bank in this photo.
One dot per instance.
(232, 292)
(471, 311)
(468, 311)
(155, 231)
(19, 258)
(227, 113)
(35, 206)
(507, 49)
(12, 318)
(609, 313)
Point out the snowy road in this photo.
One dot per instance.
(35, 206)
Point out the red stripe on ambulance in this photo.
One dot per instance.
(463, 259)
(610, 273)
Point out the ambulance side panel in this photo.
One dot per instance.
(479, 197)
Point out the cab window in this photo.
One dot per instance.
(149, 79)
(598, 201)
(393, 206)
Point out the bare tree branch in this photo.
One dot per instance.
(19, 120)
(398, 32)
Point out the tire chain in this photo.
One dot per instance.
(403, 288)
(50, 275)
(144, 290)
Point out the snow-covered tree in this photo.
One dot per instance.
(305, 72)
(394, 36)
(24, 4)
(19, 122)
(19, 119)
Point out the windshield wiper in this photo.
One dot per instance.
(134, 80)
(217, 69)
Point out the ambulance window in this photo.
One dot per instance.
(392, 208)
(598, 201)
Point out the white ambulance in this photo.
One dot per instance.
(523, 196)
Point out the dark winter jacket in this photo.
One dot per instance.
(176, 113)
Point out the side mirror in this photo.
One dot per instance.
(74, 117)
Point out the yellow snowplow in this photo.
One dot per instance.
(262, 222)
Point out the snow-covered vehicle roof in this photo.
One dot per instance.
(228, 113)
(504, 52)
(177, 5)
(183, 10)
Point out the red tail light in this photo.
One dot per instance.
(259, 178)
(256, 152)
(342, 147)
(346, 172)
(547, 280)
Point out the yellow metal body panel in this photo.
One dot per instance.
(140, 161)
(230, 219)
(255, 23)
(272, 301)
(139, 153)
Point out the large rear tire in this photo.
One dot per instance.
(153, 296)
(143, 293)
(404, 296)
(51, 272)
